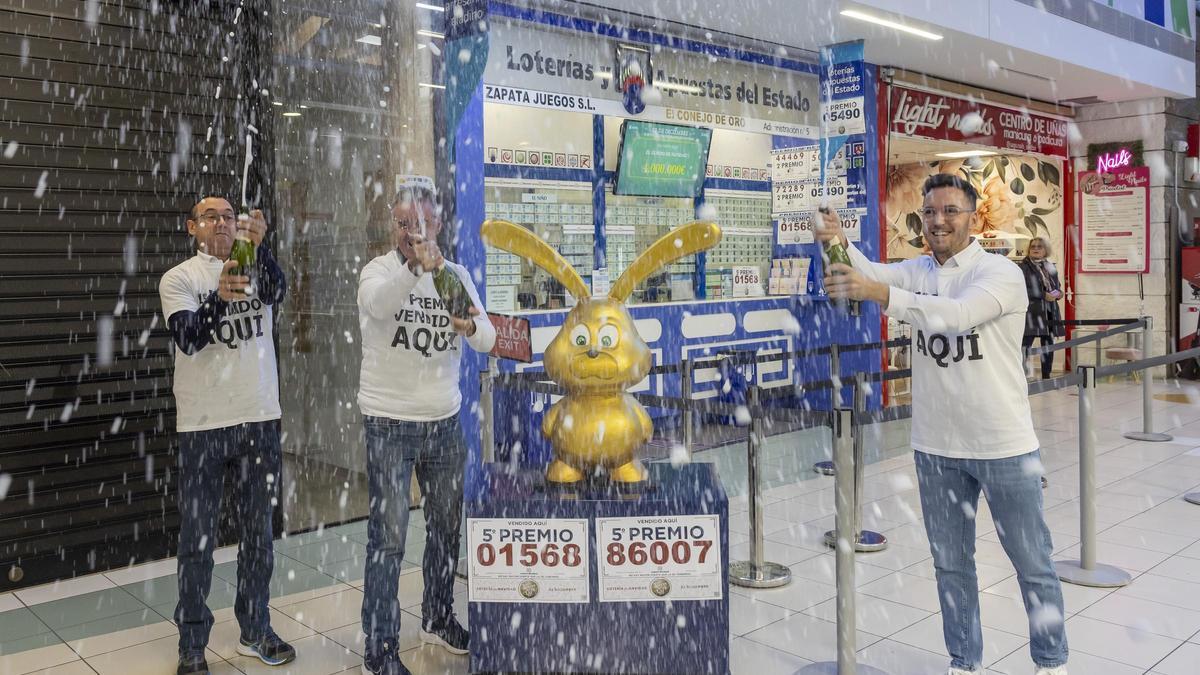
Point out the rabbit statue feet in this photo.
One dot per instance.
(630, 472)
(561, 472)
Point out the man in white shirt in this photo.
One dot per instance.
(409, 397)
(227, 415)
(971, 425)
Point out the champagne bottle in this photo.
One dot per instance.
(450, 288)
(835, 252)
(246, 257)
(447, 284)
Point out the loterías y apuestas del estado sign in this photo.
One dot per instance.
(544, 67)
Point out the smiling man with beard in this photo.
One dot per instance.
(972, 429)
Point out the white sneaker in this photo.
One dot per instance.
(1060, 670)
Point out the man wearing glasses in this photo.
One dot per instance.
(227, 417)
(409, 397)
(971, 424)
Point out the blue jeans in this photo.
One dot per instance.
(437, 451)
(949, 496)
(252, 452)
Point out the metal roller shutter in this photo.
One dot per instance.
(114, 116)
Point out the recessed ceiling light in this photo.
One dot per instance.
(965, 153)
(291, 113)
(888, 23)
(432, 34)
(431, 86)
(302, 106)
(432, 8)
(370, 40)
(276, 102)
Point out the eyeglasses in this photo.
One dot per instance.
(214, 218)
(415, 220)
(948, 213)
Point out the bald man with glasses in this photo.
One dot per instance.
(227, 418)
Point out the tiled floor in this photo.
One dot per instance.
(120, 622)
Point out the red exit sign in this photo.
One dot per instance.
(512, 338)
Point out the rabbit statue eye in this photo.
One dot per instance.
(609, 336)
(580, 337)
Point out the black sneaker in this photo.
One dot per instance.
(386, 662)
(449, 634)
(192, 664)
(270, 649)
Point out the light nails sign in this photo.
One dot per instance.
(1106, 157)
(1114, 160)
(939, 116)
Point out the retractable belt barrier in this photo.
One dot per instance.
(1094, 337)
(1086, 571)
(1152, 362)
(1096, 322)
(1060, 382)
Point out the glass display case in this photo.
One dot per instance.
(561, 214)
(745, 220)
(632, 225)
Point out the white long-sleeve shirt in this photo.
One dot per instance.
(233, 379)
(970, 398)
(411, 354)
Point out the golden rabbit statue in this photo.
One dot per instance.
(597, 355)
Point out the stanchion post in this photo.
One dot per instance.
(844, 556)
(1086, 571)
(753, 447)
(835, 374)
(843, 496)
(756, 572)
(826, 468)
(686, 376)
(487, 424)
(1147, 433)
(865, 541)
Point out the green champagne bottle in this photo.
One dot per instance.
(835, 252)
(246, 257)
(450, 288)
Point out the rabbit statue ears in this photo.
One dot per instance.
(682, 241)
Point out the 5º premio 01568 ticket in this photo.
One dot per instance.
(528, 560)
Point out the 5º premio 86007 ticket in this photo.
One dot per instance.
(528, 560)
(659, 558)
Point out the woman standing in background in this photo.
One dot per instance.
(1042, 285)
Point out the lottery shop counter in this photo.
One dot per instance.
(599, 579)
